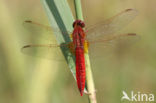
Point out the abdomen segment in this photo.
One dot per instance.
(80, 69)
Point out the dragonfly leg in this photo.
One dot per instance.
(71, 48)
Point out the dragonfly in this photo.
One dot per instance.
(88, 40)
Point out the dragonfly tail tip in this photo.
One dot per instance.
(81, 93)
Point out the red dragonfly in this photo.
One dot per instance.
(88, 40)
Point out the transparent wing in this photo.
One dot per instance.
(43, 31)
(111, 45)
(49, 51)
(111, 25)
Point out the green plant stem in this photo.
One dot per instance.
(78, 9)
(90, 81)
(89, 76)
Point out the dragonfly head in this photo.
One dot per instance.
(79, 23)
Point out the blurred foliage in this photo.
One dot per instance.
(25, 79)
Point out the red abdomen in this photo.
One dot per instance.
(80, 69)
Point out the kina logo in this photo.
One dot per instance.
(140, 97)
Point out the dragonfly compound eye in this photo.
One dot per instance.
(79, 22)
(82, 24)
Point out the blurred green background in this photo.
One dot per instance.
(26, 79)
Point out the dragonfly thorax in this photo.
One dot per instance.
(79, 23)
